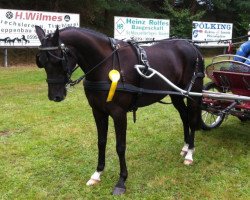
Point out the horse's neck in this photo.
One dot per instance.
(90, 48)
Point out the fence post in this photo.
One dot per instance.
(5, 57)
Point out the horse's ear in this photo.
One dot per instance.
(56, 35)
(40, 33)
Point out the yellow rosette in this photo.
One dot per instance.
(114, 76)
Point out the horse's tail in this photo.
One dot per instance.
(201, 63)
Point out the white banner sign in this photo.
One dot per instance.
(212, 31)
(141, 29)
(17, 27)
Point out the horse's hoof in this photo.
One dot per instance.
(92, 182)
(188, 162)
(95, 178)
(119, 191)
(184, 150)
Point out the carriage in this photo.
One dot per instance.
(232, 78)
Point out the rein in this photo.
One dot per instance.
(72, 83)
(196, 41)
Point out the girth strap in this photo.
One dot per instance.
(125, 87)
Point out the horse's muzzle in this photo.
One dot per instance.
(57, 98)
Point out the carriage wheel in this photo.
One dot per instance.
(211, 119)
(243, 119)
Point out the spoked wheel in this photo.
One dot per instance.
(243, 119)
(211, 117)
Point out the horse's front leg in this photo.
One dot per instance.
(101, 121)
(120, 122)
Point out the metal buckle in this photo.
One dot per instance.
(143, 57)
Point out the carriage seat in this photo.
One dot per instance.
(236, 82)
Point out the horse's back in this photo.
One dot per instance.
(174, 51)
(175, 59)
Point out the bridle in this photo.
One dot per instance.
(64, 61)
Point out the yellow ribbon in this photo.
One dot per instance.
(114, 76)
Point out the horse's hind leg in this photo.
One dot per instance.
(194, 113)
(101, 121)
(179, 104)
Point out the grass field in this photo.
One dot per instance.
(49, 150)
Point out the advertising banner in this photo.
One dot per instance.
(141, 29)
(212, 31)
(17, 27)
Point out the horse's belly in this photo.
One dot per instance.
(147, 99)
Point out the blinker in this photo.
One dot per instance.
(114, 76)
(41, 59)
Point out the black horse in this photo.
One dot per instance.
(97, 55)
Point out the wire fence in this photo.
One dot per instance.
(18, 57)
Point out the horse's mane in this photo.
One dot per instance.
(83, 30)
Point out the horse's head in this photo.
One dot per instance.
(58, 62)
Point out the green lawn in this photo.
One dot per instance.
(48, 150)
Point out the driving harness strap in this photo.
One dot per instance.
(142, 55)
(124, 87)
(142, 59)
(115, 47)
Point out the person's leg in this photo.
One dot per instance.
(248, 60)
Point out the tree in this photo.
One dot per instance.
(182, 16)
(232, 11)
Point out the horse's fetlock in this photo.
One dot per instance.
(124, 176)
(100, 167)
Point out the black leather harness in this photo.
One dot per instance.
(125, 87)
